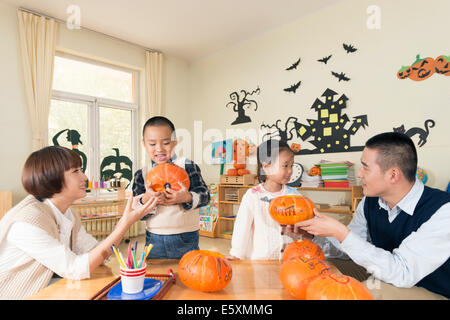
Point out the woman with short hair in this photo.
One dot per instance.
(41, 236)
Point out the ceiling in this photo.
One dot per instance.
(187, 29)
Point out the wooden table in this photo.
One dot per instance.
(252, 280)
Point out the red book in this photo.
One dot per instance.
(336, 184)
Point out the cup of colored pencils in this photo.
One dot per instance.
(133, 270)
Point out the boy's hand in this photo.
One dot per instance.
(149, 193)
(173, 197)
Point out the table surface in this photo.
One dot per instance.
(252, 280)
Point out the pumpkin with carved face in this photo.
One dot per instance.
(422, 69)
(404, 72)
(442, 65)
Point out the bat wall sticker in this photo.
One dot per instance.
(294, 65)
(293, 88)
(349, 48)
(325, 59)
(340, 76)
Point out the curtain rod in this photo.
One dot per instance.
(104, 34)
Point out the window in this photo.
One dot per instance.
(93, 111)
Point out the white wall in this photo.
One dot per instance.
(407, 28)
(200, 91)
(15, 135)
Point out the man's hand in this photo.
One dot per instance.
(323, 225)
(173, 197)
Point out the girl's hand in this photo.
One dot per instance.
(133, 212)
(175, 197)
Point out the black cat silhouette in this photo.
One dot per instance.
(423, 134)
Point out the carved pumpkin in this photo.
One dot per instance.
(442, 65)
(204, 270)
(315, 171)
(167, 175)
(291, 209)
(332, 286)
(295, 147)
(296, 273)
(422, 69)
(404, 72)
(303, 248)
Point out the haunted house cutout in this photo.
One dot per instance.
(329, 129)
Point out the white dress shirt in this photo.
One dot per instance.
(421, 253)
(256, 236)
(24, 240)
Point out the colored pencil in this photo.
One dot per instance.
(142, 259)
(149, 248)
(117, 253)
(134, 258)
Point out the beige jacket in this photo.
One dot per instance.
(28, 278)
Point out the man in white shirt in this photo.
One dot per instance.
(400, 232)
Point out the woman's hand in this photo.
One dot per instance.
(323, 225)
(133, 211)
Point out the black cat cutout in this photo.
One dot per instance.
(423, 133)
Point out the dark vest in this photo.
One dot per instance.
(389, 236)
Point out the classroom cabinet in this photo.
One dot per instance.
(230, 196)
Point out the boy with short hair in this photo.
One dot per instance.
(172, 227)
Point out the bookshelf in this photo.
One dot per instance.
(230, 195)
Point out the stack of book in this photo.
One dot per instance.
(311, 181)
(337, 174)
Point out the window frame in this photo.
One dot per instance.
(94, 104)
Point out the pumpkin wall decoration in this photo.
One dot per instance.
(315, 171)
(303, 248)
(204, 270)
(296, 273)
(441, 65)
(423, 68)
(291, 209)
(167, 175)
(331, 286)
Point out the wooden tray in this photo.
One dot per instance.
(168, 280)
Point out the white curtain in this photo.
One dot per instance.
(37, 44)
(153, 84)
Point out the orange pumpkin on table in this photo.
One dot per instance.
(303, 248)
(167, 175)
(291, 209)
(331, 286)
(296, 273)
(204, 270)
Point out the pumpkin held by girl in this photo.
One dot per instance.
(291, 209)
